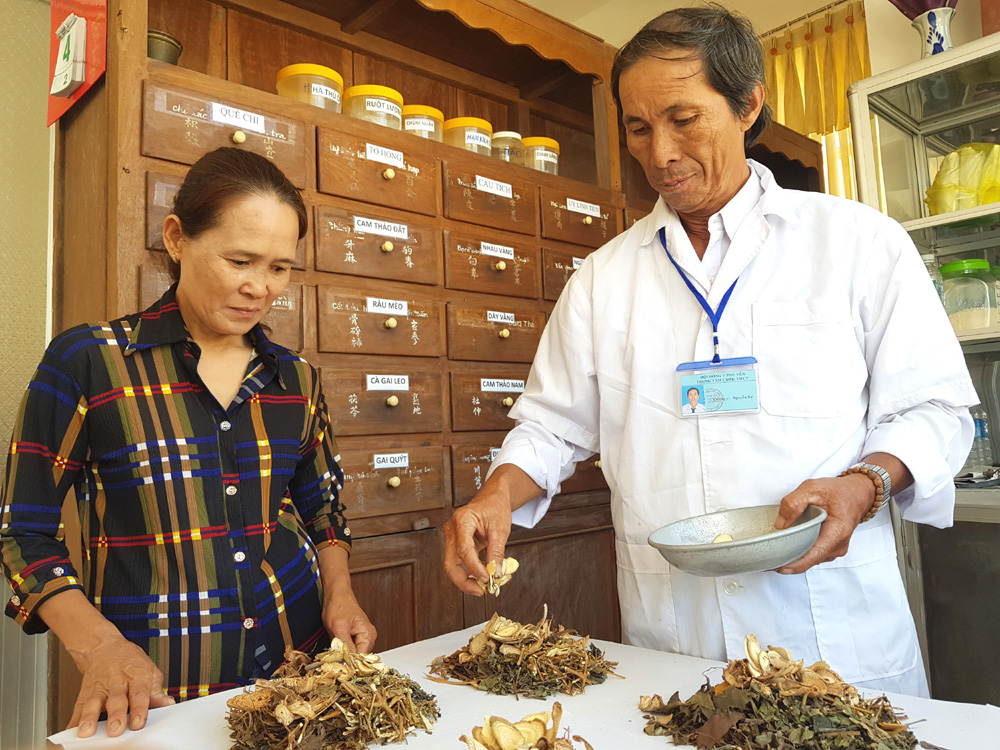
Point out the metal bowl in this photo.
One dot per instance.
(756, 545)
(162, 46)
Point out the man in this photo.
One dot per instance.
(855, 363)
(693, 407)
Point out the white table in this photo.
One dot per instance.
(606, 715)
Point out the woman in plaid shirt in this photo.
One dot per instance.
(204, 468)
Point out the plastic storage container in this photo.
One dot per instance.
(542, 154)
(969, 294)
(507, 145)
(935, 273)
(378, 104)
(423, 121)
(470, 133)
(313, 84)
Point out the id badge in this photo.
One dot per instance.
(726, 387)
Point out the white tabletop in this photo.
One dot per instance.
(606, 715)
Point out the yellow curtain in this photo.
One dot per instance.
(809, 67)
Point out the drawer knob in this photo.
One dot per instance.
(392, 401)
(387, 247)
(504, 333)
(389, 173)
(393, 482)
(597, 464)
(508, 401)
(500, 265)
(239, 137)
(588, 220)
(390, 323)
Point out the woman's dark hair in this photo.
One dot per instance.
(226, 175)
(725, 42)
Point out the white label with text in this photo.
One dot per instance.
(474, 138)
(499, 251)
(495, 385)
(420, 124)
(387, 382)
(387, 306)
(240, 118)
(494, 452)
(494, 186)
(581, 207)
(544, 155)
(383, 106)
(318, 89)
(384, 155)
(577, 262)
(363, 225)
(493, 316)
(391, 460)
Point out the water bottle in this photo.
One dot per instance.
(982, 453)
(935, 273)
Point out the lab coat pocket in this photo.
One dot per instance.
(864, 628)
(810, 363)
(644, 594)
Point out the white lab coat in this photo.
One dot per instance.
(856, 356)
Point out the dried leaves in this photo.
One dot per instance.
(533, 732)
(769, 700)
(338, 701)
(497, 579)
(534, 660)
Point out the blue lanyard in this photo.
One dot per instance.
(715, 316)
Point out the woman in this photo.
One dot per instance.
(205, 471)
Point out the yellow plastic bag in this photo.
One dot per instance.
(968, 177)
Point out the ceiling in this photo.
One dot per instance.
(616, 21)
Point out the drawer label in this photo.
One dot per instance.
(420, 124)
(363, 225)
(284, 302)
(577, 262)
(495, 385)
(393, 306)
(495, 187)
(387, 382)
(582, 207)
(472, 138)
(494, 452)
(493, 316)
(318, 89)
(384, 155)
(384, 106)
(164, 194)
(391, 460)
(500, 251)
(239, 117)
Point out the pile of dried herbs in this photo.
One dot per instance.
(337, 700)
(769, 700)
(534, 732)
(508, 658)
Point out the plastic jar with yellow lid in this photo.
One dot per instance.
(507, 145)
(423, 121)
(379, 104)
(313, 84)
(470, 133)
(542, 154)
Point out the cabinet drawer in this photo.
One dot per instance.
(480, 262)
(356, 323)
(580, 218)
(557, 267)
(375, 244)
(285, 318)
(496, 334)
(469, 464)
(586, 476)
(160, 192)
(393, 480)
(481, 400)
(181, 125)
(377, 171)
(485, 194)
(383, 400)
(634, 212)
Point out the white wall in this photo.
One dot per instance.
(894, 42)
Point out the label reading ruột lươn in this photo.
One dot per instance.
(384, 106)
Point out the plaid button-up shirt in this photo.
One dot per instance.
(200, 524)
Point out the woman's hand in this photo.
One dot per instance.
(344, 619)
(119, 678)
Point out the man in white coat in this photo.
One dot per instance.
(862, 390)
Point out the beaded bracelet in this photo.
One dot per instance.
(881, 495)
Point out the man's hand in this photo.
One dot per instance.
(845, 500)
(119, 678)
(344, 619)
(483, 523)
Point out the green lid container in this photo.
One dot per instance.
(957, 268)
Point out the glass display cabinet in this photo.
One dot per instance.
(927, 153)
